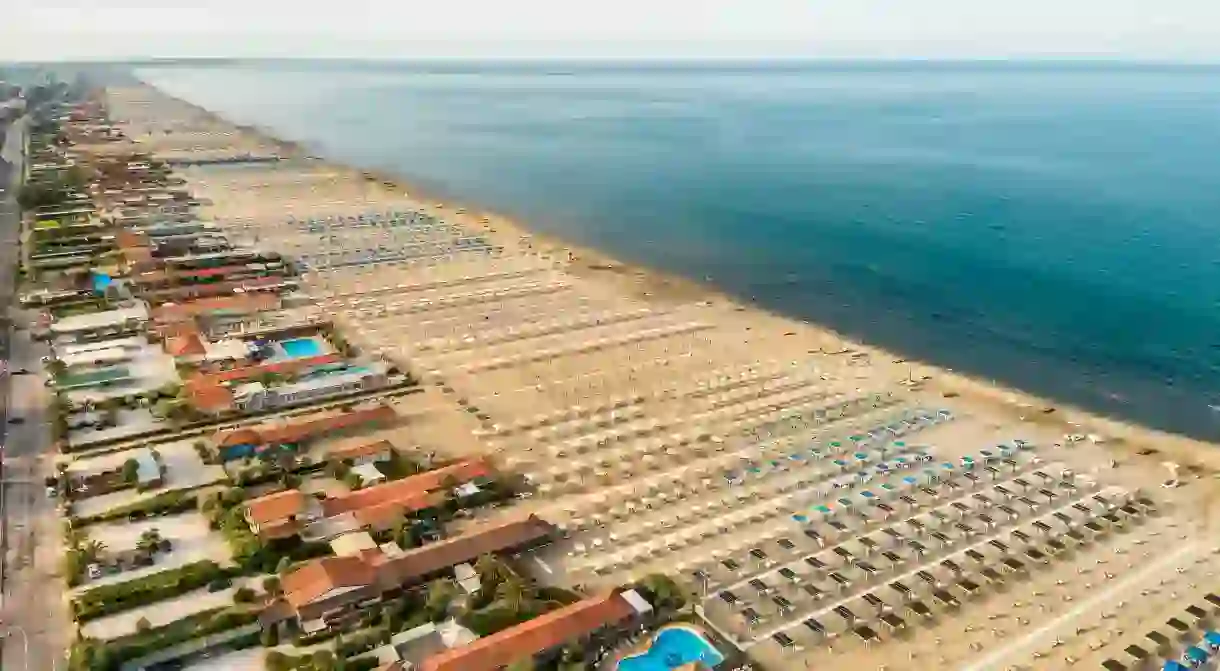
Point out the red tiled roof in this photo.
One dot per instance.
(315, 579)
(540, 634)
(411, 491)
(185, 345)
(289, 366)
(265, 434)
(208, 397)
(386, 514)
(359, 448)
(130, 239)
(276, 507)
(421, 562)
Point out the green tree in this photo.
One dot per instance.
(440, 594)
(93, 549)
(275, 660)
(323, 660)
(514, 594)
(492, 572)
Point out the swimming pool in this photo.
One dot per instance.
(301, 347)
(672, 648)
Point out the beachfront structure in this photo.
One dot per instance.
(101, 324)
(329, 592)
(362, 452)
(291, 512)
(264, 438)
(594, 623)
(256, 396)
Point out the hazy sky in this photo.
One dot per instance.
(71, 29)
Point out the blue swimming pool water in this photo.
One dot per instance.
(301, 347)
(671, 649)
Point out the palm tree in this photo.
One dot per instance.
(440, 593)
(492, 572)
(93, 549)
(514, 594)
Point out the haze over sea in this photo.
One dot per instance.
(1053, 227)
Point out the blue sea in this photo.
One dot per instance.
(1054, 227)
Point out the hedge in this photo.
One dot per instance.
(113, 598)
(167, 503)
(135, 646)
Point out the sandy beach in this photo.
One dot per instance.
(668, 427)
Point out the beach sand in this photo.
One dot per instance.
(521, 341)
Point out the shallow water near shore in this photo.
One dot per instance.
(1053, 228)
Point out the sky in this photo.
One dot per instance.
(523, 29)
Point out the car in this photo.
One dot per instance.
(21, 371)
(16, 420)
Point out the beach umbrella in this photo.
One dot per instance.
(823, 508)
(800, 518)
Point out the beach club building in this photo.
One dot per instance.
(594, 623)
(332, 591)
(249, 441)
(292, 512)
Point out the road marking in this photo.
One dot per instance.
(1019, 646)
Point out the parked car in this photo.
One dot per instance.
(16, 420)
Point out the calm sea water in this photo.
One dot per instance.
(1056, 228)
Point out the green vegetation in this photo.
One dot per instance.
(131, 471)
(92, 655)
(167, 503)
(251, 553)
(505, 599)
(116, 597)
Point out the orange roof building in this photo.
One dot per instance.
(265, 435)
(325, 589)
(545, 632)
(379, 506)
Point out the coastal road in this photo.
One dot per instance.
(32, 608)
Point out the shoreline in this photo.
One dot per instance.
(659, 286)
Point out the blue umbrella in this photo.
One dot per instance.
(887, 486)
(845, 502)
(840, 462)
(800, 518)
(796, 457)
(910, 481)
(822, 509)
(1196, 654)
(1212, 638)
(947, 466)
(882, 467)
(868, 495)
(1172, 665)
(860, 456)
